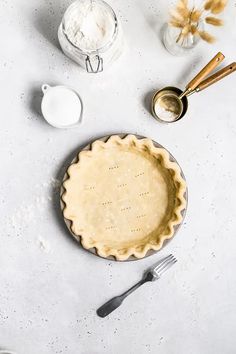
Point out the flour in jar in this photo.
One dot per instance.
(90, 26)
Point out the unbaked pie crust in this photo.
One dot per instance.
(124, 197)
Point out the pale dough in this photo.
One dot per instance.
(124, 197)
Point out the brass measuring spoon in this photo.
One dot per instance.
(170, 103)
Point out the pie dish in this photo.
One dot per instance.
(123, 197)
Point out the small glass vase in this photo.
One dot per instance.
(177, 44)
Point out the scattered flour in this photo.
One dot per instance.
(53, 183)
(164, 114)
(44, 245)
(28, 213)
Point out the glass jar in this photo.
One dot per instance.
(178, 45)
(91, 35)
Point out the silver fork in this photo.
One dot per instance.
(152, 274)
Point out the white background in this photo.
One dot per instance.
(50, 288)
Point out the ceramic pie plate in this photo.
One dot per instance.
(123, 197)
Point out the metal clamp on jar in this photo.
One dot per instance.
(90, 34)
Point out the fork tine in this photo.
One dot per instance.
(167, 266)
(170, 264)
(163, 262)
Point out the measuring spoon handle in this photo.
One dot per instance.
(216, 77)
(213, 63)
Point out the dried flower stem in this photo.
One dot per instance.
(188, 19)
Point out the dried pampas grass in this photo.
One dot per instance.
(196, 15)
(218, 6)
(188, 19)
(206, 36)
(214, 21)
(208, 5)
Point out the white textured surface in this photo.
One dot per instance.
(49, 287)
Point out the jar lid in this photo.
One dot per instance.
(61, 106)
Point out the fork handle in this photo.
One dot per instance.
(115, 302)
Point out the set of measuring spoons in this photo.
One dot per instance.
(171, 103)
